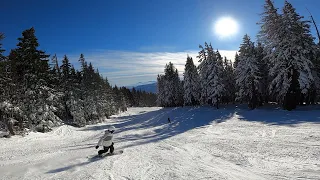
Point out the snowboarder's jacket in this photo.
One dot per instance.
(106, 139)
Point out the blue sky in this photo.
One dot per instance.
(131, 41)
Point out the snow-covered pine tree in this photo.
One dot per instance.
(216, 81)
(139, 98)
(4, 79)
(120, 100)
(271, 23)
(2, 57)
(169, 97)
(6, 108)
(290, 57)
(90, 104)
(299, 50)
(178, 89)
(55, 85)
(33, 94)
(74, 102)
(191, 84)
(235, 65)
(203, 74)
(66, 87)
(314, 95)
(56, 73)
(247, 74)
(170, 88)
(264, 72)
(229, 81)
(160, 90)
(31, 71)
(170, 85)
(211, 72)
(135, 100)
(236, 60)
(270, 36)
(109, 98)
(105, 98)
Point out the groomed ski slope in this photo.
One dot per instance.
(200, 143)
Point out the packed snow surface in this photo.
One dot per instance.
(200, 143)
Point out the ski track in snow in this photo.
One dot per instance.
(200, 143)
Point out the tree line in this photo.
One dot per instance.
(283, 66)
(37, 93)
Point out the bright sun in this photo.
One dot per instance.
(226, 27)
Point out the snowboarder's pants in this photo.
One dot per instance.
(106, 149)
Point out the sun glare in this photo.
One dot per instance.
(226, 27)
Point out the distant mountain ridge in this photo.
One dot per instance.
(150, 86)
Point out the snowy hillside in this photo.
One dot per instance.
(200, 143)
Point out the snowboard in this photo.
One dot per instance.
(112, 154)
(117, 152)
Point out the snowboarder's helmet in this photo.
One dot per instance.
(111, 128)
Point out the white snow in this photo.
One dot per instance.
(200, 143)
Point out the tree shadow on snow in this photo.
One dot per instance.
(274, 115)
(156, 124)
(156, 127)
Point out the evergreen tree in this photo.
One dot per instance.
(160, 90)
(218, 86)
(6, 108)
(170, 89)
(315, 89)
(178, 89)
(264, 73)
(211, 75)
(4, 79)
(66, 86)
(120, 99)
(56, 69)
(290, 49)
(299, 49)
(247, 74)
(2, 57)
(172, 86)
(236, 60)
(90, 104)
(191, 83)
(291, 69)
(271, 27)
(109, 99)
(74, 102)
(30, 71)
(229, 95)
(138, 98)
(37, 96)
(203, 74)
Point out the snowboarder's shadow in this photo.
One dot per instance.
(66, 168)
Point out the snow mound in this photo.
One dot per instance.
(64, 130)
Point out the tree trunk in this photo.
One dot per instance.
(10, 126)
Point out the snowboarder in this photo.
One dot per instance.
(106, 141)
(169, 121)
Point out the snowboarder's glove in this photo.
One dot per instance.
(97, 147)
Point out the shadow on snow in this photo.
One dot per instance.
(184, 119)
(66, 168)
(157, 128)
(274, 115)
